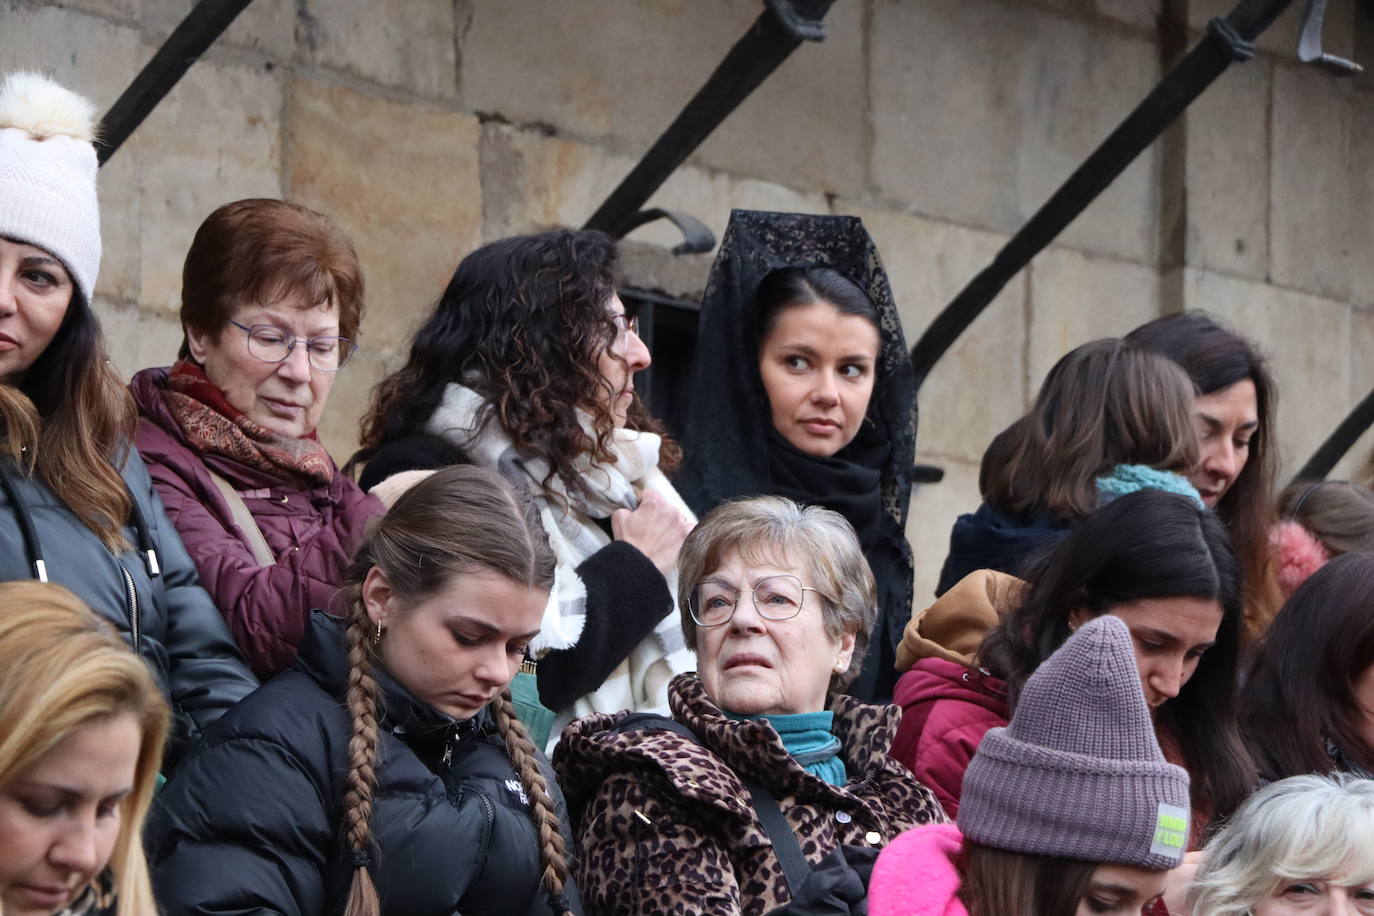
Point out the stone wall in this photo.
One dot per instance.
(425, 127)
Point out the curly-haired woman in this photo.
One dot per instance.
(527, 366)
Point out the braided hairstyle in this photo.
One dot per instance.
(460, 519)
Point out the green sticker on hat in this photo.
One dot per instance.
(1171, 831)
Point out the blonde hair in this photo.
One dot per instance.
(771, 529)
(62, 667)
(458, 520)
(1295, 829)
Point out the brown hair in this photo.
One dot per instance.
(1103, 404)
(70, 421)
(524, 324)
(772, 529)
(458, 520)
(996, 882)
(1339, 513)
(62, 667)
(268, 251)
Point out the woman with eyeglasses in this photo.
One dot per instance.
(678, 816)
(271, 300)
(526, 366)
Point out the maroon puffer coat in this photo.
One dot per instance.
(310, 533)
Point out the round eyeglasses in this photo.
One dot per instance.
(270, 344)
(713, 603)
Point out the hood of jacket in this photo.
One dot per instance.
(916, 874)
(953, 626)
(993, 539)
(934, 679)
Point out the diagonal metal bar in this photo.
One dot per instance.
(192, 38)
(1339, 442)
(780, 28)
(1228, 40)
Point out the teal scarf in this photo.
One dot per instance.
(808, 738)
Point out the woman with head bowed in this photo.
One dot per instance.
(271, 301)
(386, 772)
(1301, 846)
(82, 726)
(778, 603)
(1308, 703)
(1163, 565)
(1233, 418)
(1069, 810)
(76, 504)
(526, 366)
(1319, 520)
(803, 388)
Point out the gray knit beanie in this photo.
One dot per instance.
(1078, 772)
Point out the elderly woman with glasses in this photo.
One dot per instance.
(677, 815)
(271, 300)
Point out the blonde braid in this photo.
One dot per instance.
(362, 753)
(552, 850)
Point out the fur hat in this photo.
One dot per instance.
(1299, 555)
(47, 174)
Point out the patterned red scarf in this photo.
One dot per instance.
(214, 426)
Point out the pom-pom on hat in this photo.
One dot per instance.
(47, 174)
(1078, 772)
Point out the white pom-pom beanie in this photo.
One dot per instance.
(47, 174)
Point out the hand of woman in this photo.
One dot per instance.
(1178, 882)
(657, 529)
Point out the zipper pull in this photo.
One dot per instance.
(448, 750)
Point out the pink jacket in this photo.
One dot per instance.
(311, 534)
(915, 874)
(947, 708)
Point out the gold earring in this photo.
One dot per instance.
(377, 634)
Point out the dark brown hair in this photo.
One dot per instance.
(460, 519)
(1339, 513)
(1217, 358)
(1149, 544)
(524, 324)
(996, 882)
(1300, 690)
(1103, 404)
(266, 251)
(70, 422)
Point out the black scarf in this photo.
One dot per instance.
(726, 426)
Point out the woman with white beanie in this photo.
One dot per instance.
(1070, 810)
(76, 504)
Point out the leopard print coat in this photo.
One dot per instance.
(665, 825)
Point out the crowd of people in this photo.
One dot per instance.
(530, 652)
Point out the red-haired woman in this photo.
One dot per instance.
(271, 300)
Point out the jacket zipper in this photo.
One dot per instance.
(131, 593)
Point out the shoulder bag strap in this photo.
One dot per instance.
(244, 519)
(780, 833)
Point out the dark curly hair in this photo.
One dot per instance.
(524, 324)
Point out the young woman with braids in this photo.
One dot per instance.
(386, 771)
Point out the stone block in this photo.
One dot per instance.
(1141, 14)
(402, 180)
(1321, 224)
(934, 507)
(96, 59)
(1353, 465)
(1282, 37)
(268, 26)
(1075, 298)
(215, 138)
(136, 339)
(978, 387)
(401, 43)
(1227, 173)
(348, 401)
(980, 111)
(1308, 342)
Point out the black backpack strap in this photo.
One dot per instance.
(789, 852)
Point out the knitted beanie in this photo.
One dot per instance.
(47, 174)
(1078, 772)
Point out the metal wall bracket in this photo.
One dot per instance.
(802, 28)
(1310, 44)
(696, 237)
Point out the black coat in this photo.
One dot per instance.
(993, 539)
(252, 823)
(167, 616)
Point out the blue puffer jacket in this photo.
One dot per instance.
(150, 593)
(253, 822)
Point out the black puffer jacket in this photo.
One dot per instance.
(157, 604)
(253, 821)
